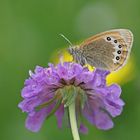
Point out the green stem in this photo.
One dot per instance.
(73, 122)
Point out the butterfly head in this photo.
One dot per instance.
(77, 54)
(72, 49)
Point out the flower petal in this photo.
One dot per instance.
(59, 115)
(35, 121)
(96, 116)
(83, 129)
(88, 114)
(102, 120)
(28, 105)
(100, 77)
(114, 107)
(115, 90)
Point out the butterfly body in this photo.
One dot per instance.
(108, 50)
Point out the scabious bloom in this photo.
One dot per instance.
(70, 87)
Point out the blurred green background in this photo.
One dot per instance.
(29, 36)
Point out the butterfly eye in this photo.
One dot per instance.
(119, 52)
(115, 41)
(119, 46)
(117, 57)
(108, 38)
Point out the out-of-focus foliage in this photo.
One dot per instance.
(29, 36)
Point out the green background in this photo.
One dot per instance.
(29, 36)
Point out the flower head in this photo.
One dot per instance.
(51, 90)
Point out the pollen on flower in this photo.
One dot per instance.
(52, 90)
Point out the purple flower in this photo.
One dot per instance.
(51, 90)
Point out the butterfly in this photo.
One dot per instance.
(108, 50)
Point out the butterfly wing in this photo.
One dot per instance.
(108, 50)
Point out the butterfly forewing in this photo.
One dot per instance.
(108, 50)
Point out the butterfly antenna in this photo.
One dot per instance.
(66, 40)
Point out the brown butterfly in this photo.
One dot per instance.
(108, 50)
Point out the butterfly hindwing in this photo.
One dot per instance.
(108, 50)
